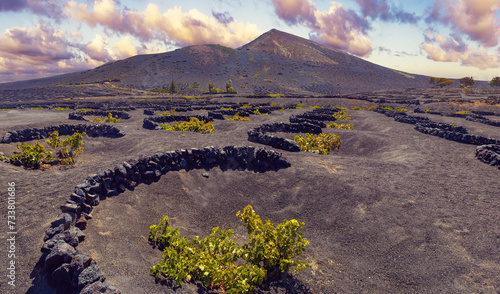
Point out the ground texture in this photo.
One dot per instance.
(392, 211)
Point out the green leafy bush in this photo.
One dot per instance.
(341, 126)
(220, 264)
(66, 151)
(61, 108)
(86, 109)
(356, 108)
(322, 143)
(108, 119)
(171, 112)
(400, 109)
(257, 112)
(246, 106)
(386, 107)
(237, 117)
(342, 115)
(371, 108)
(194, 125)
(462, 112)
(31, 155)
(300, 106)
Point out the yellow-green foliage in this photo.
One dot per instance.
(356, 108)
(257, 112)
(194, 125)
(226, 108)
(61, 108)
(218, 263)
(371, 108)
(322, 143)
(342, 108)
(462, 112)
(35, 108)
(246, 106)
(171, 112)
(281, 109)
(5, 109)
(66, 150)
(86, 109)
(276, 96)
(342, 115)
(192, 97)
(315, 106)
(341, 126)
(300, 106)
(273, 104)
(109, 119)
(237, 117)
(386, 107)
(401, 109)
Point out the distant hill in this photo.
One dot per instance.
(274, 63)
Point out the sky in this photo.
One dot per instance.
(440, 38)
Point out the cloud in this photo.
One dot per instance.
(295, 11)
(181, 28)
(338, 27)
(223, 18)
(379, 9)
(453, 49)
(50, 8)
(40, 51)
(476, 19)
(12, 5)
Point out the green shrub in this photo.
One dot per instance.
(66, 151)
(86, 109)
(462, 112)
(226, 108)
(31, 155)
(108, 119)
(276, 96)
(341, 126)
(246, 106)
(5, 109)
(356, 108)
(237, 117)
(322, 143)
(61, 108)
(400, 109)
(220, 264)
(371, 108)
(273, 104)
(171, 112)
(315, 106)
(300, 106)
(257, 112)
(194, 125)
(386, 107)
(342, 115)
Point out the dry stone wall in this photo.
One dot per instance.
(69, 265)
(28, 134)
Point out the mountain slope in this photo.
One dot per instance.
(275, 62)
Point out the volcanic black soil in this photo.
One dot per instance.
(392, 211)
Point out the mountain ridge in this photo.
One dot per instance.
(274, 63)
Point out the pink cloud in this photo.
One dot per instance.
(380, 9)
(295, 11)
(452, 49)
(50, 8)
(476, 19)
(182, 28)
(338, 27)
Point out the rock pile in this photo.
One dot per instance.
(72, 266)
(41, 133)
(489, 154)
